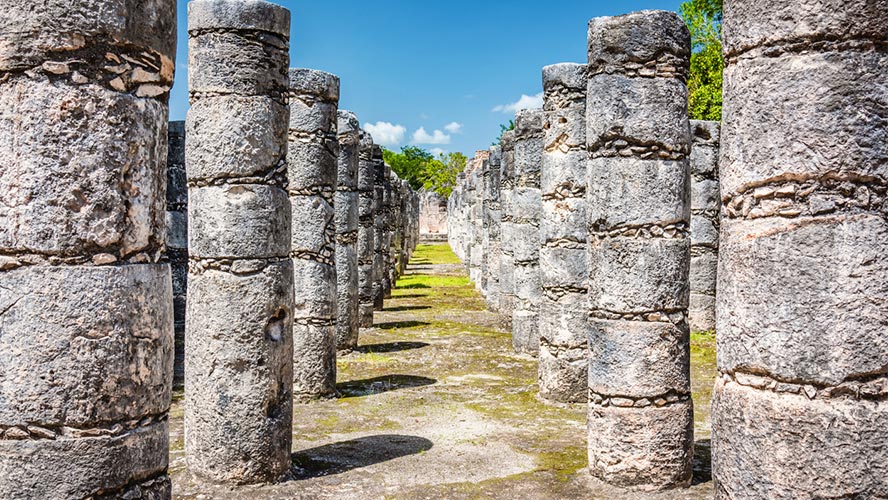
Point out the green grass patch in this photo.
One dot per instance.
(435, 254)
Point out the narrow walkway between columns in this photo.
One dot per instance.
(435, 404)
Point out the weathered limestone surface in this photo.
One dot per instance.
(177, 240)
(346, 208)
(86, 340)
(526, 205)
(507, 227)
(490, 244)
(312, 159)
(638, 216)
(239, 362)
(564, 332)
(800, 409)
(366, 229)
(705, 205)
(380, 172)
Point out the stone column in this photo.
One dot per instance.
(507, 228)
(239, 349)
(491, 241)
(366, 229)
(312, 159)
(379, 249)
(346, 205)
(800, 408)
(705, 206)
(388, 221)
(638, 213)
(564, 330)
(526, 204)
(86, 338)
(177, 240)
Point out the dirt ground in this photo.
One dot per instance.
(434, 404)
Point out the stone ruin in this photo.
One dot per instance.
(755, 228)
(604, 229)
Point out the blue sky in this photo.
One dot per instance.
(433, 73)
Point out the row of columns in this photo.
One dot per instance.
(636, 233)
(221, 253)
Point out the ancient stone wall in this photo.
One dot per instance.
(638, 214)
(312, 158)
(525, 205)
(239, 350)
(346, 221)
(564, 332)
(86, 340)
(705, 207)
(433, 214)
(801, 405)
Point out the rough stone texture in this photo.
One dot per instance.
(177, 240)
(801, 407)
(239, 362)
(525, 206)
(346, 209)
(705, 206)
(379, 226)
(86, 340)
(492, 235)
(312, 159)
(564, 336)
(507, 227)
(638, 217)
(366, 229)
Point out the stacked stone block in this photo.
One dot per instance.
(507, 227)
(564, 332)
(312, 158)
(239, 345)
(705, 207)
(346, 208)
(366, 229)
(490, 243)
(800, 407)
(638, 212)
(380, 173)
(177, 240)
(86, 340)
(526, 204)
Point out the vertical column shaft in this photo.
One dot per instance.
(564, 336)
(801, 405)
(239, 345)
(86, 336)
(507, 227)
(177, 240)
(492, 234)
(705, 206)
(526, 205)
(346, 207)
(638, 213)
(366, 229)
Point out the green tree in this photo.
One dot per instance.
(504, 127)
(704, 20)
(421, 169)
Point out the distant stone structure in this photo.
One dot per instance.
(564, 331)
(705, 205)
(800, 410)
(432, 215)
(177, 240)
(312, 158)
(638, 214)
(526, 203)
(346, 208)
(86, 339)
(239, 350)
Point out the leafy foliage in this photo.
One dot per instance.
(422, 169)
(704, 20)
(504, 127)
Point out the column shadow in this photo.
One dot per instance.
(405, 308)
(390, 347)
(344, 456)
(702, 465)
(379, 385)
(391, 325)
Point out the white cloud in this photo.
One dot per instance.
(436, 137)
(385, 133)
(525, 102)
(453, 127)
(437, 151)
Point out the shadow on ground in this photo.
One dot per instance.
(379, 385)
(344, 456)
(406, 308)
(398, 325)
(390, 347)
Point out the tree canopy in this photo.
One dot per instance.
(704, 20)
(422, 169)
